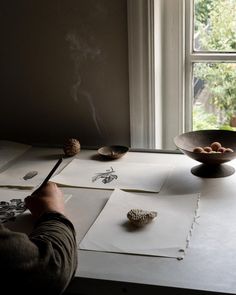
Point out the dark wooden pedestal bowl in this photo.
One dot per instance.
(212, 163)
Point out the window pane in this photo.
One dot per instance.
(215, 25)
(214, 102)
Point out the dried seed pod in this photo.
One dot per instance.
(140, 217)
(71, 147)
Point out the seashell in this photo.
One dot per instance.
(71, 147)
(141, 217)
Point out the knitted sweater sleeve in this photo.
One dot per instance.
(43, 262)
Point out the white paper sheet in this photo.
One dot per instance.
(14, 176)
(23, 222)
(10, 150)
(167, 235)
(104, 175)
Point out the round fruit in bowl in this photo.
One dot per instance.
(210, 147)
(213, 148)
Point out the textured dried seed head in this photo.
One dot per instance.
(71, 147)
(140, 217)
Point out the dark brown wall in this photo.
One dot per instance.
(64, 71)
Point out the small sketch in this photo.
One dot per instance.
(9, 210)
(107, 176)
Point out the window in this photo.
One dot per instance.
(212, 68)
(182, 68)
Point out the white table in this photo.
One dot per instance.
(210, 261)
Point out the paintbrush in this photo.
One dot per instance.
(48, 176)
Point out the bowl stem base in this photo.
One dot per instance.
(212, 171)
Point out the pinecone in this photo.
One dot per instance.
(71, 147)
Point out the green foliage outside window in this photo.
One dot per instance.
(203, 119)
(215, 25)
(202, 11)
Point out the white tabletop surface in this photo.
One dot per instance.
(210, 261)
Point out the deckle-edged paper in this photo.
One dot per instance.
(111, 175)
(166, 235)
(10, 150)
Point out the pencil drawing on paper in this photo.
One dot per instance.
(9, 210)
(106, 177)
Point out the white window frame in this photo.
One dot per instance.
(192, 56)
(173, 59)
(141, 73)
(152, 100)
(161, 104)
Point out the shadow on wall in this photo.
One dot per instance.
(64, 71)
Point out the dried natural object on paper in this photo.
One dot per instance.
(30, 175)
(139, 217)
(71, 147)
